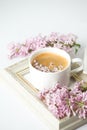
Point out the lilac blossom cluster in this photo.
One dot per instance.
(50, 68)
(65, 42)
(62, 101)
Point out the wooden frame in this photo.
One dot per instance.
(17, 73)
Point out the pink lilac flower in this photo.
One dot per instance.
(14, 50)
(63, 38)
(65, 42)
(72, 37)
(56, 99)
(23, 50)
(79, 104)
(37, 42)
(68, 39)
(63, 102)
(79, 87)
(52, 37)
(50, 68)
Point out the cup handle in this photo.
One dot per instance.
(78, 69)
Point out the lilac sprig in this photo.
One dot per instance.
(65, 42)
(62, 101)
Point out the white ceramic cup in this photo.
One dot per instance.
(42, 80)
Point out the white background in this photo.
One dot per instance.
(21, 19)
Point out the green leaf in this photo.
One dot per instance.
(77, 45)
(76, 50)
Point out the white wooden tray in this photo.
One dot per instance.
(18, 73)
